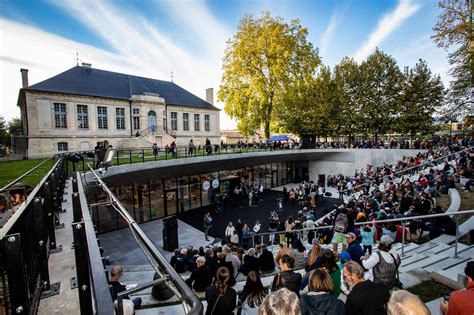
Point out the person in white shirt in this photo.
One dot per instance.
(229, 231)
(256, 229)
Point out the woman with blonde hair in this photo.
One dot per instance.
(279, 302)
(403, 302)
(319, 299)
(314, 257)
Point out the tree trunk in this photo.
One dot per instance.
(267, 129)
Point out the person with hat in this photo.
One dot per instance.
(354, 248)
(383, 263)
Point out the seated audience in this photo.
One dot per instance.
(366, 297)
(250, 262)
(319, 299)
(265, 260)
(299, 254)
(117, 287)
(280, 302)
(200, 278)
(252, 294)
(287, 278)
(221, 298)
(354, 248)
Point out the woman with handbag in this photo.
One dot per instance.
(221, 299)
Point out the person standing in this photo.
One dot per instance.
(206, 223)
(191, 147)
(155, 150)
(229, 231)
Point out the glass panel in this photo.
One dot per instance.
(206, 194)
(156, 199)
(171, 202)
(142, 203)
(195, 186)
(170, 183)
(268, 176)
(183, 190)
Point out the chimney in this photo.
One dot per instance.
(24, 77)
(87, 65)
(210, 96)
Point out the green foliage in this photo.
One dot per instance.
(263, 59)
(421, 96)
(14, 126)
(454, 29)
(380, 86)
(4, 137)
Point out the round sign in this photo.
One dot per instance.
(206, 185)
(215, 183)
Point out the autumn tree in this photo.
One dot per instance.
(422, 95)
(454, 30)
(262, 60)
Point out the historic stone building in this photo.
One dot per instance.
(75, 109)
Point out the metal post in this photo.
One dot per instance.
(143, 155)
(17, 283)
(130, 156)
(117, 157)
(457, 237)
(83, 281)
(403, 238)
(49, 215)
(76, 207)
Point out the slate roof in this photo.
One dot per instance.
(88, 81)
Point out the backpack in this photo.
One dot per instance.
(340, 225)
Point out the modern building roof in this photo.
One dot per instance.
(88, 81)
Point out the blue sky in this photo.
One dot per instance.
(152, 38)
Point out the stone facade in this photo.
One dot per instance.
(45, 138)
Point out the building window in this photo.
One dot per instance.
(62, 146)
(82, 117)
(207, 123)
(102, 117)
(136, 118)
(174, 121)
(120, 118)
(185, 121)
(60, 115)
(196, 122)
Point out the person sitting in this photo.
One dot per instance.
(403, 302)
(250, 262)
(265, 260)
(282, 301)
(252, 294)
(329, 264)
(287, 278)
(354, 249)
(221, 262)
(284, 250)
(461, 302)
(314, 257)
(366, 297)
(117, 287)
(439, 225)
(231, 256)
(221, 299)
(299, 253)
(200, 278)
(319, 299)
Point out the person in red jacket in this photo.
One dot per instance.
(461, 302)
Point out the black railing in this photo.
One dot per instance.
(93, 287)
(191, 303)
(26, 240)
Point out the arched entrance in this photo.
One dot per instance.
(152, 121)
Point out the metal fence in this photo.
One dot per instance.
(26, 240)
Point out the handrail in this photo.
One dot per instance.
(406, 170)
(8, 225)
(99, 283)
(24, 175)
(152, 253)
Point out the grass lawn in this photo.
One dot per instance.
(430, 290)
(10, 170)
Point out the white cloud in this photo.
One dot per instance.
(386, 25)
(336, 18)
(140, 49)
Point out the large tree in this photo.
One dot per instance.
(347, 94)
(3, 131)
(422, 95)
(380, 87)
(261, 61)
(454, 30)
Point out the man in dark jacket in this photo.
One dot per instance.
(265, 261)
(354, 248)
(250, 262)
(366, 297)
(200, 279)
(287, 278)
